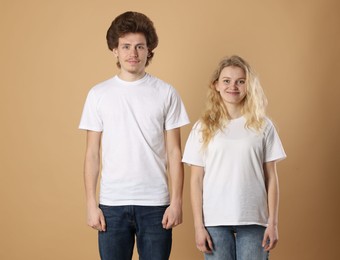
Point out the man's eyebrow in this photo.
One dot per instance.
(123, 43)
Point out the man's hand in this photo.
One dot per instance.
(172, 217)
(95, 219)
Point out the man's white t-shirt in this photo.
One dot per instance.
(132, 117)
(234, 191)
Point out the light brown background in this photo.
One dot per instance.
(52, 52)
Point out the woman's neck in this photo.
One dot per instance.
(234, 111)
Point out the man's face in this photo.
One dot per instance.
(132, 53)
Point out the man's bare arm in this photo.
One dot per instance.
(95, 217)
(173, 214)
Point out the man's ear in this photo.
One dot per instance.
(115, 52)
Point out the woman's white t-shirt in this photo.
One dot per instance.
(132, 117)
(234, 191)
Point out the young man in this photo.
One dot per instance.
(135, 119)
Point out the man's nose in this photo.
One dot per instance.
(134, 52)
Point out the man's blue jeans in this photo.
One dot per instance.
(237, 242)
(124, 223)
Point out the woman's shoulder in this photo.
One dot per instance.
(197, 125)
(269, 125)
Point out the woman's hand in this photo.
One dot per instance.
(270, 238)
(203, 240)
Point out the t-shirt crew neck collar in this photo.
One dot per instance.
(132, 83)
(237, 119)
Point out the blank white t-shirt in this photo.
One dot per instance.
(234, 191)
(132, 117)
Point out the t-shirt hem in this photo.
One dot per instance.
(192, 162)
(179, 124)
(134, 202)
(81, 127)
(236, 223)
(276, 158)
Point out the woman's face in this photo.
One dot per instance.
(232, 85)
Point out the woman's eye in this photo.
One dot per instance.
(242, 81)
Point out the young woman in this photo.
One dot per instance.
(232, 151)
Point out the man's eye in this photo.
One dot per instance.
(140, 47)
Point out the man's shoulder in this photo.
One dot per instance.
(101, 88)
(157, 82)
(103, 84)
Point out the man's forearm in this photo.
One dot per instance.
(176, 172)
(92, 166)
(91, 173)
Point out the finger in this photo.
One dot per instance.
(204, 247)
(164, 221)
(177, 223)
(210, 243)
(265, 240)
(206, 250)
(92, 226)
(268, 246)
(200, 249)
(272, 245)
(170, 224)
(95, 227)
(102, 223)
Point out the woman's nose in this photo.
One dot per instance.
(235, 84)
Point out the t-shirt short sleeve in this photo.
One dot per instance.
(273, 147)
(193, 152)
(176, 115)
(90, 119)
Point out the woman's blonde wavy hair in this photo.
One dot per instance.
(216, 117)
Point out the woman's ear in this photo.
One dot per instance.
(214, 86)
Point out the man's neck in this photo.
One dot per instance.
(126, 76)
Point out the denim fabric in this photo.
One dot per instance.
(124, 223)
(237, 243)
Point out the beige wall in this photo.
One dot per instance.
(52, 52)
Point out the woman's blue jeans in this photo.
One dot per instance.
(124, 223)
(237, 243)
